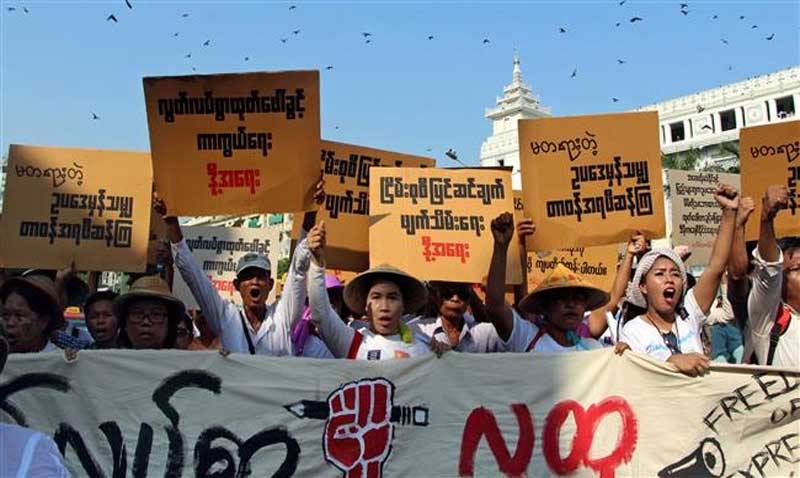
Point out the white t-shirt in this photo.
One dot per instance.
(475, 338)
(763, 305)
(525, 332)
(383, 347)
(611, 336)
(346, 342)
(643, 337)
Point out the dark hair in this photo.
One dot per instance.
(172, 330)
(33, 297)
(97, 297)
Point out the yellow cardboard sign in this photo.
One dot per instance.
(346, 170)
(591, 180)
(770, 155)
(84, 205)
(436, 223)
(597, 264)
(695, 213)
(235, 143)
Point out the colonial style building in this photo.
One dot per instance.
(518, 102)
(702, 123)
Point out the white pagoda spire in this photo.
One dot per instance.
(518, 102)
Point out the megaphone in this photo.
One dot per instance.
(705, 461)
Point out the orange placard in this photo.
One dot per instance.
(436, 223)
(84, 205)
(346, 170)
(769, 155)
(597, 264)
(235, 143)
(591, 180)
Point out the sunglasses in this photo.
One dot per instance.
(671, 341)
(461, 292)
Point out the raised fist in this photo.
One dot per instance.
(727, 196)
(776, 198)
(503, 228)
(358, 433)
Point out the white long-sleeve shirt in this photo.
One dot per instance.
(28, 453)
(274, 336)
(762, 307)
(345, 341)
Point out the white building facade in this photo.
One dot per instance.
(518, 102)
(703, 121)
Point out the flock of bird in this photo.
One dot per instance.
(367, 38)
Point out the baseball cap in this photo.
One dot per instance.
(252, 259)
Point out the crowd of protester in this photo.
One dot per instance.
(743, 308)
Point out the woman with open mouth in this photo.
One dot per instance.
(670, 318)
(383, 294)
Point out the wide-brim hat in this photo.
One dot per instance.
(562, 278)
(45, 288)
(415, 295)
(150, 287)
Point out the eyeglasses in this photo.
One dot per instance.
(156, 317)
(671, 341)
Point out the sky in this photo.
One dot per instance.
(63, 61)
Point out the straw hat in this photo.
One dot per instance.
(415, 295)
(45, 288)
(150, 287)
(563, 278)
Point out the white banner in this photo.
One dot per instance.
(147, 413)
(218, 250)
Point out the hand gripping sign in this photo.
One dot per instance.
(360, 421)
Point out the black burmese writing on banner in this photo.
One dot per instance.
(695, 213)
(591, 180)
(346, 169)
(83, 205)
(436, 223)
(235, 143)
(769, 156)
(197, 414)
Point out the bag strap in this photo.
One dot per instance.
(782, 319)
(250, 345)
(352, 353)
(536, 338)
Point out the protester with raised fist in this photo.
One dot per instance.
(384, 294)
(254, 327)
(671, 316)
(560, 300)
(774, 302)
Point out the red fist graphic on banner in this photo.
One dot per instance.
(358, 431)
